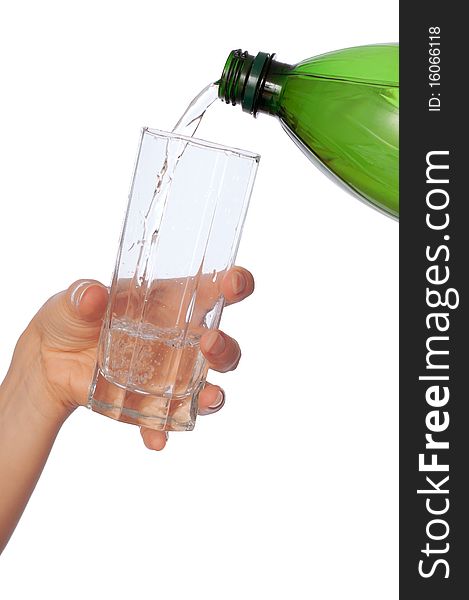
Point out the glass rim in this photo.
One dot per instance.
(202, 143)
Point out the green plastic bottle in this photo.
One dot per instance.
(340, 108)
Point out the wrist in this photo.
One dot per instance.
(24, 387)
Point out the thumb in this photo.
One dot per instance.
(71, 320)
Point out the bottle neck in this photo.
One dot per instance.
(254, 82)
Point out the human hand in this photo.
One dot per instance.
(59, 348)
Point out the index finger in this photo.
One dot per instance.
(237, 284)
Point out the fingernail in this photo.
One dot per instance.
(219, 402)
(238, 282)
(78, 292)
(215, 406)
(215, 343)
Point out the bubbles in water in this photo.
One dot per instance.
(149, 358)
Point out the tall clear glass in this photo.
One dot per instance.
(184, 220)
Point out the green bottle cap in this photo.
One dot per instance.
(243, 79)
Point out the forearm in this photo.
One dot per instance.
(27, 434)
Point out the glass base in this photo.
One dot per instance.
(163, 413)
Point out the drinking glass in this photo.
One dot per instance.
(185, 215)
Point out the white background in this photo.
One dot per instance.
(291, 490)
